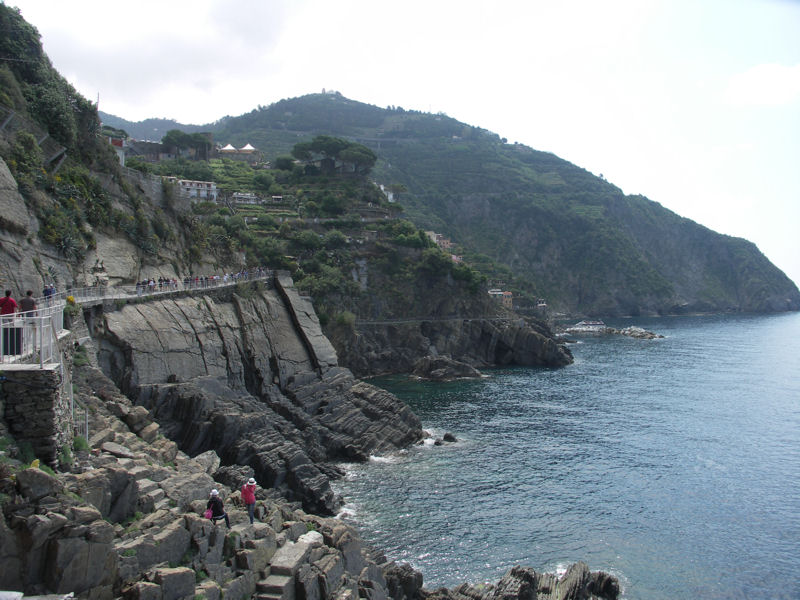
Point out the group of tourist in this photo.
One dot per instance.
(9, 308)
(48, 292)
(194, 282)
(215, 508)
(162, 284)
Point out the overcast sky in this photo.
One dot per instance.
(692, 103)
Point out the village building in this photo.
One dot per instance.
(439, 239)
(505, 298)
(120, 146)
(199, 190)
(246, 198)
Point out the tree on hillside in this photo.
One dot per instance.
(175, 138)
(284, 163)
(330, 149)
(263, 181)
(328, 145)
(201, 142)
(361, 157)
(302, 151)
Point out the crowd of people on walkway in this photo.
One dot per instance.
(15, 312)
(9, 309)
(193, 282)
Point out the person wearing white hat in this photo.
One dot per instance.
(217, 509)
(249, 497)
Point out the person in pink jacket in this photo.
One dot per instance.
(249, 497)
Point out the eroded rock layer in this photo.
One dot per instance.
(248, 373)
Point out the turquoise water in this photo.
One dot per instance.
(672, 463)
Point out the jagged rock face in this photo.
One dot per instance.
(395, 348)
(523, 583)
(255, 380)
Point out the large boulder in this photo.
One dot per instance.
(34, 484)
(114, 491)
(443, 368)
(76, 565)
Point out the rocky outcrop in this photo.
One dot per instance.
(54, 541)
(377, 348)
(250, 375)
(127, 521)
(443, 368)
(577, 583)
(630, 331)
(635, 332)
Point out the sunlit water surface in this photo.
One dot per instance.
(673, 464)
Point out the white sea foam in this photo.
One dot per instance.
(348, 511)
(383, 459)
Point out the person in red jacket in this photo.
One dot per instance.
(8, 306)
(249, 497)
(12, 336)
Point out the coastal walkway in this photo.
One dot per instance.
(31, 338)
(29, 341)
(408, 320)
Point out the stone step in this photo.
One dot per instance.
(267, 597)
(274, 584)
(140, 473)
(155, 495)
(163, 504)
(146, 486)
(277, 587)
(288, 558)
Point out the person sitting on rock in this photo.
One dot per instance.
(249, 497)
(217, 509)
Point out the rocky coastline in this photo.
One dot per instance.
(199, 392)
(126, 522)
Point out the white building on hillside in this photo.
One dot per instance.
(202, 190)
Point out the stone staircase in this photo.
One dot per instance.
(279, 584)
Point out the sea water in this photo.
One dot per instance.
(673, 464)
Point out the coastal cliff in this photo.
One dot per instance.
(219, 387)
(381, 348)
(246, 372)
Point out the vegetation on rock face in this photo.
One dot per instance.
(33, 88)
(526, 220)
(539, 224)
(64, 191)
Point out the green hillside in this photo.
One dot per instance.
(528, 219)
(572, 237)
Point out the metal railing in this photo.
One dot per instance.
(32, 337)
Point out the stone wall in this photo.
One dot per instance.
(36, 409)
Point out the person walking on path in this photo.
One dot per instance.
(8, 306)
(27, 304)
(12, 336)
(217, 509)
(249, 497)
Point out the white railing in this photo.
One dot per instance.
(32, 337)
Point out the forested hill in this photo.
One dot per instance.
(577, 239)
(573, 238)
